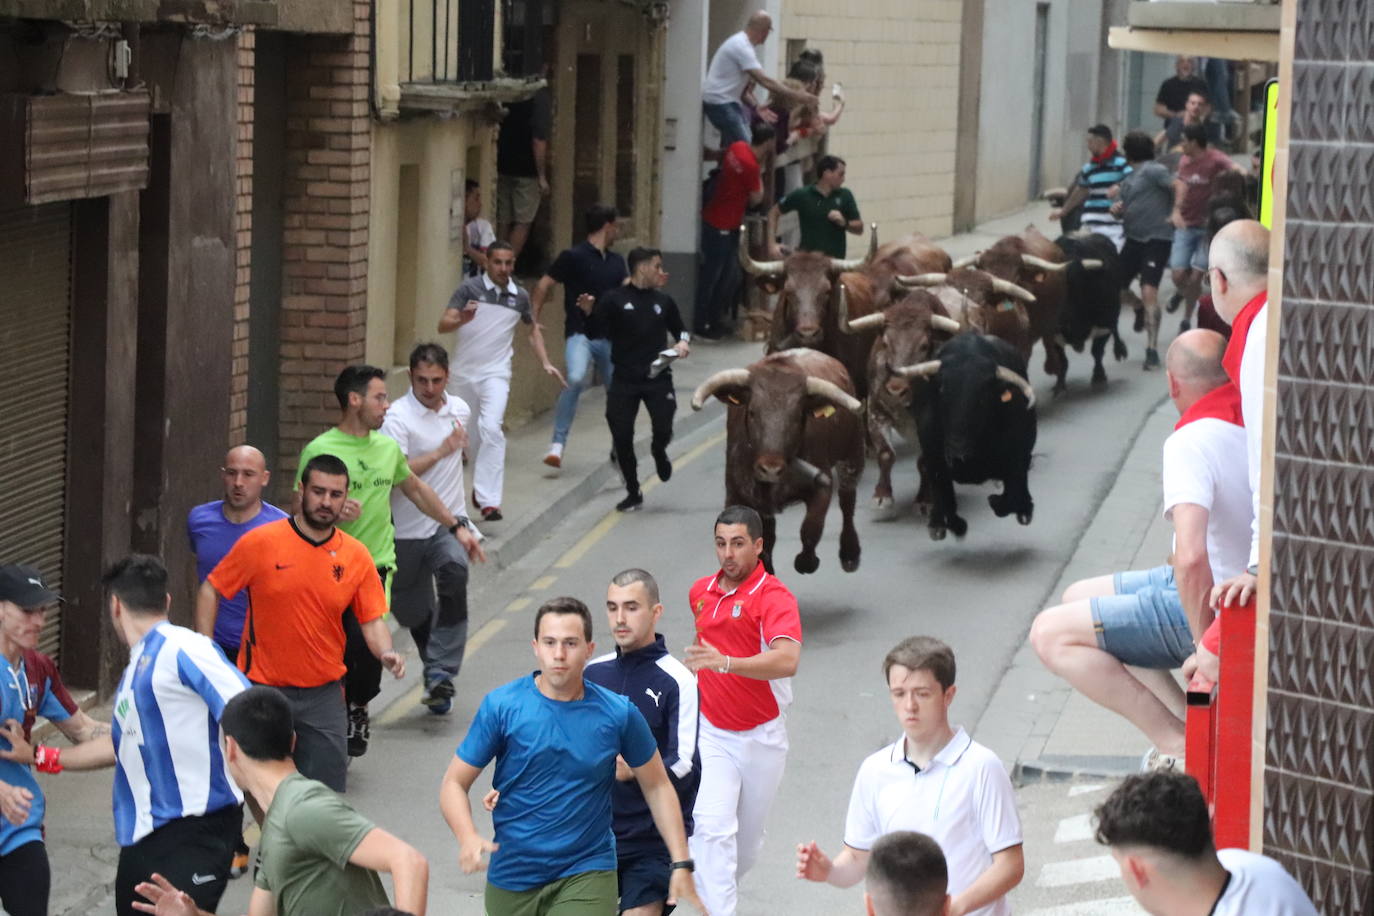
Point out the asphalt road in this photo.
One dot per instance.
(978, 594)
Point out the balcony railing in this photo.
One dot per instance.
(448, 41)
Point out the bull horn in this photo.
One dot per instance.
(1008, 288)
(1031, 260)
(756, 268)
(1090, 264)
(841, 265)
(820, 388)
(1011, 378)
(969, 261)
(943, 323)
(872, 241)
(922, 280)
(811, 472)
(920, 370)
(860, 324)
(716, 382)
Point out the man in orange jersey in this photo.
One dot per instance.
(300, 575)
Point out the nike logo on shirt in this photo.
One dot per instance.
(201, 879)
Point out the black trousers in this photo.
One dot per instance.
(194, 853)
(25, 880)
(622, 407)
(364, 678)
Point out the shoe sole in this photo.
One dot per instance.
(553, 461)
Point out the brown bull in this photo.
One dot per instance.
(981, 302)
(793, 427)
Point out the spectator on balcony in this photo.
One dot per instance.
(738, 187)
(522, 156)
(1240, 291)
(1174, 91)
(477, 232)
(1160, 834)
(733, 65)
(1197, 110)
(1151, 619)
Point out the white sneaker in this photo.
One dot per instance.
(1155, 759)
(554, 458)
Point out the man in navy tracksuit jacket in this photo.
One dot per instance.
(665, 692)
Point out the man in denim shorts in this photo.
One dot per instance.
(1151, 619)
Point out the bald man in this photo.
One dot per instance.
(733, 65)
(1152, 619)
(1240, 292)
(216, 526)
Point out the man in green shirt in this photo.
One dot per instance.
(825, 211)
(317, 854)
(375, 465)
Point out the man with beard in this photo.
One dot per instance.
(301, 574)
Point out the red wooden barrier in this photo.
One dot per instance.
(1220, 729)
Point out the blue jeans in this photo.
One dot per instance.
(578, 354)
(718, 279)
(729, 119)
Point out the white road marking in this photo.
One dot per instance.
(1077, 871)
(1084, 790)
(1115, 906)
(1074, 829)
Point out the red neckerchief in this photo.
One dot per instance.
(1221, 403)
(1240, 329)
(1106, 155)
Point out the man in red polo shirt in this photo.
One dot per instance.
(737, 187)
(747, 649)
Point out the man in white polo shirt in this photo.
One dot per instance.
(484, 312)
(1152, 619)
(430, 426)
(733, 65)
(933, 780)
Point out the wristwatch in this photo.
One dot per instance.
(688, 864)
(461, 523)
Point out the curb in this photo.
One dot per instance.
(1030, 772)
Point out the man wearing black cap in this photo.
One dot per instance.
(31, 687)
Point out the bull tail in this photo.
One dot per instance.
(1118, 345)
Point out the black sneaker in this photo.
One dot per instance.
(1174, 302)
(631, 503)
(359, 731)
(438, 695)
(663, 465)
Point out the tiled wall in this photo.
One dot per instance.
(1319, 776)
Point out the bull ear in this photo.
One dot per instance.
(770, 283)
(733, 395)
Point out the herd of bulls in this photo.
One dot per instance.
(906, 341)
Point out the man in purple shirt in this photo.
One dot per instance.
(215, 527)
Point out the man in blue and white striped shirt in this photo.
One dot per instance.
(176, 809)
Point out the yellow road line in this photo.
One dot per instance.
(484, 634)
(585, 543)
(543, 582)
(519, 604)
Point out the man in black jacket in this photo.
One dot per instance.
(638, 319)
(665, 692)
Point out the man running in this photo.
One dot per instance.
(935, 780)
(555, 738)
(665, 693)
(747, 649)
(374, 465)
(639, 319)
(586, 271)
(317, 855)
(33, 688)
(429, 425)
(216, 526)
(301, 574)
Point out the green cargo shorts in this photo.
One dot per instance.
(591, 893)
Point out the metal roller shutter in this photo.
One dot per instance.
(35, 342)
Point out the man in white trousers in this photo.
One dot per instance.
(484, 311)
(747, 649)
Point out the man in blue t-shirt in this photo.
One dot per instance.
(215, 527)
(555, 738)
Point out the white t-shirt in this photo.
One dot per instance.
(480, 235)
(484, 346)
(729, 70)
(1259, 886)
(417, 429)
(1252, 408)
(963, 800)
(1203, 465)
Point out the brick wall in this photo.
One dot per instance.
(324, 295)
(899, 64)
(243, 241)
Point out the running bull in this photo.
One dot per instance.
(975, 418)
(793, 426)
